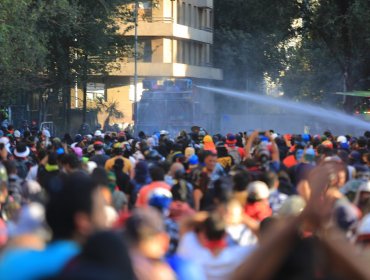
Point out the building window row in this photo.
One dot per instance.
(193, 16)
(193, 53)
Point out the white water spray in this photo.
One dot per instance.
(333, 116)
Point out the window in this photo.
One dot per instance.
(94, 91)
(189, 23)
(147, 51)
(179, 13)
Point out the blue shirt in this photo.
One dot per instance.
(28, 264)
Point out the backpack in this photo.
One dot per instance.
(234, 153)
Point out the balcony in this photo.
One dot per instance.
(165, 27)
(169, 70)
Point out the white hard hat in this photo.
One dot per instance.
(258, 190)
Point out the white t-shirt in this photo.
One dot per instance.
(241, 235)
(218, 267)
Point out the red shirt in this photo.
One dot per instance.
(144, 193)
(258, 210)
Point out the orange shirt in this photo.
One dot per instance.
(144, 193)
(126, 167)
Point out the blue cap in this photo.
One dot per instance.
(60, 151)
(193, 160)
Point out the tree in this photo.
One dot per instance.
(23, 50)
(334, 48)
(248, 34)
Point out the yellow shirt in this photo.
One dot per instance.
(126, 166)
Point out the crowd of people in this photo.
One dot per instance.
(187, 206)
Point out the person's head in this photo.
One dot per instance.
(77, 209)
(271, 179)
(141, 172)
(176, 168)
(118, 165)
(117, 149)
(100, 177)
(362, 142)
(145, 231)
(257, 191)
(98, 146)
(104, 256)
(11, 167)
(240, 180)
(213, 229)
(70, 162)
(210, 160)
(156, 173)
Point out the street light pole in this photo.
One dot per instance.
(135, 61)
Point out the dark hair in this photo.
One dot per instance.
(214, 227)
(75, 196)
(117, 151)
(70, 159)
(120, 176)
(362, 142)
(156, 173)
(100, 176)
(241, 180)
(144, 223)
(270, 178)
(141, 172)
(107, 250)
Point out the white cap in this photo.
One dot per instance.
(17, 134)
(258, 190)
(342, 139)
(98, 133)
(91, 165)
(46, 133)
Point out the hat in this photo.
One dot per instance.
(258, 190)
(310, 155)
(21, 150)
(327, 144)
(231, 139)
(31, 219)
(306, 137)
(17, 134)
(193, 160)
(46, 133)
(164, 132)
(77, 151)
(5, 140)
(98, 133)
(98, 143)
(160, 198)
(342, 139)
(207, 139)
(90, 149)
(292, 206)
(90, 166)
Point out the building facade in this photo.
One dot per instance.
(175, 40)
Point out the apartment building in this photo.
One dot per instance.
(175, 40)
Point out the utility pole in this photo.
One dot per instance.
(135, 61)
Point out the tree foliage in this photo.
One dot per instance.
(327, 52)
(54, 43)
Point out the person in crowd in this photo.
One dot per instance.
(73, 214)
